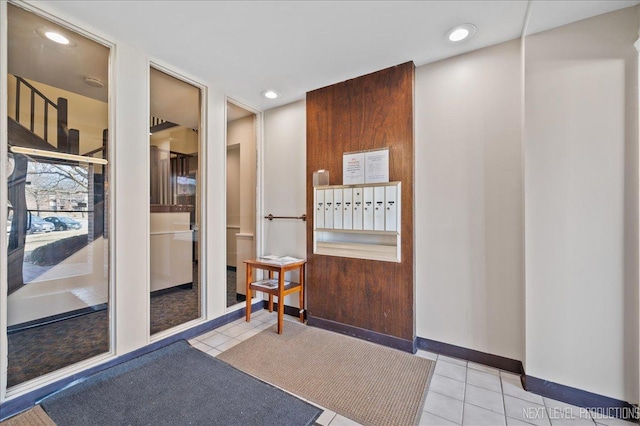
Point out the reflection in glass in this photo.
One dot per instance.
(241, 198)
(174, 147)
(58, 263)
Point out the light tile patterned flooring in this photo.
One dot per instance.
(461, 392)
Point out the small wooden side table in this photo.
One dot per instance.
(281, 290)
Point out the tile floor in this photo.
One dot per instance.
(461, 392)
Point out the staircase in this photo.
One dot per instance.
(32, 131)
(38, 129)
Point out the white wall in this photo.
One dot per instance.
(285, 180)
(241, 133)
(581, 187)
(468, 201)
(233, 186)
(214, 224)
(233, 202)
(131, 211)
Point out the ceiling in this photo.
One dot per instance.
(245, 47)
(234, 112)
(173, 100)
(34, 57)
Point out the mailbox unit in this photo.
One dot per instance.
(359, 221)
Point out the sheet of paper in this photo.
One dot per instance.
(279, 260)
(353, 168)
(376, 169)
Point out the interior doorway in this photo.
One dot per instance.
(241, 139)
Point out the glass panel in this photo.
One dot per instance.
(58, 251)
(241, 198)
(174, 148)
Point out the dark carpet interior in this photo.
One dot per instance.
(174, 307)
(40, 350)
(175, 385)
(233, 297)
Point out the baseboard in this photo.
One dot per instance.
(24, 402)
(372, 336)
(495, 361)
(288, 310)
(56, 318)
(599, 405)
(185, 286)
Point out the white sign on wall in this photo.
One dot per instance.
(376, 166)
(353, 168)
(365, 167)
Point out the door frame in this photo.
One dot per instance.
(259, 132)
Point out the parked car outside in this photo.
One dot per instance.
(38, 224)
(62, 223)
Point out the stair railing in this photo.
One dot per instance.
(65, 143)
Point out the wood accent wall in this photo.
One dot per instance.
(368, 112)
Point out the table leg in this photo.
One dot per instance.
(301, 300)
(248, 290)
(270, 295)
(280, 301)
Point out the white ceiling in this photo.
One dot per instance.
(234, 112)
(245, 47)
(174, 100)
(32, 56)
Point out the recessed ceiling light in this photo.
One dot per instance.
(461, 32)
(57, 37)
(94, 82)
(270, 94)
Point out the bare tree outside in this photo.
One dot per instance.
(56, 187)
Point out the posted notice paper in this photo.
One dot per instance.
(353, 168)
(376, 169)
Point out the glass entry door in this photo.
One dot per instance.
(58, 200)
(241, 198)
(174, 194)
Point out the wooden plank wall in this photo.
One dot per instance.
(369, 298)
